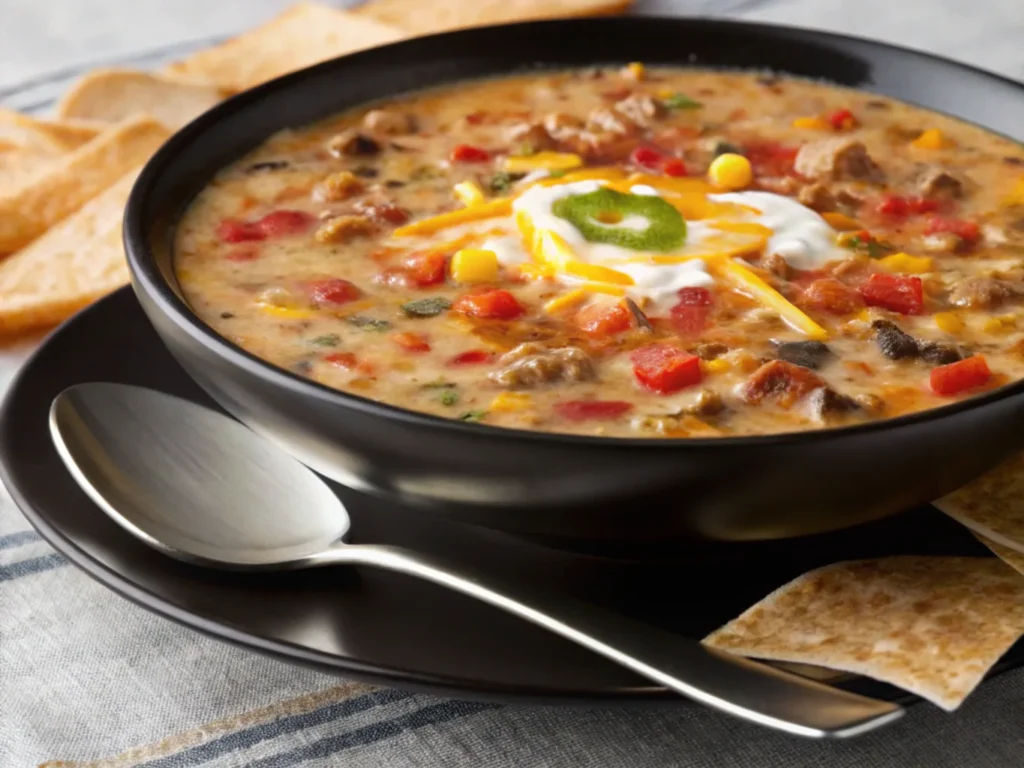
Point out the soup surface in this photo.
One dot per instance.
(635, 252)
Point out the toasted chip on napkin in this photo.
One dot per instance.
(111, 95)
(73, 264)
(992, 505)
(27, 211)
(425, 16)
(301, 36)
(929, 625)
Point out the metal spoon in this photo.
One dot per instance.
(203, 488)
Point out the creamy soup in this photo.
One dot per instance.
(638, 252)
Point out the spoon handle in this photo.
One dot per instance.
(738, 686)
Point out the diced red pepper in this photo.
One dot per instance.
(646, 157)
(960, 376)
(345, 360)
(783, 382)
(585, 410)
(897, 293)
(694, 296)
(899, 207)
(664, 368)
(472, 357)
(411, 342)
(674, 167)
(688, 322)
(923, 205)
(842, 119)
(601, 320)
(833, 296)
(383, 213)
(466, 153)
(769, 158)
(495, 304)
(334, 291)
(284, 223)
(967, 231)
(426, 269)
(235, 231)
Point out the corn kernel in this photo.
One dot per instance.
(474, 265)
(933, 138)
(468, 193)
(840, 221)
(566, 301)
(812, 124)
(636, 70)
(950, 322)
(730, 171)
(904, 262)
(543, 161)
(511, 401)
(718, 365)
(994, 325)
(1016, 196)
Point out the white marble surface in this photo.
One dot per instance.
(39, 36)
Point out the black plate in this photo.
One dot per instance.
(384, 627)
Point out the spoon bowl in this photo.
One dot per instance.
(200, 487)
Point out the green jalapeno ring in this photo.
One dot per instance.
(597, 215)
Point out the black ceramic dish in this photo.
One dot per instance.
(555, 485)
(358, 622)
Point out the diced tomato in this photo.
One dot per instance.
(967, 231)
(489, 305)
(585, 410)
(830, 295)
(664, 368)
(842, 119)
(466, 153)
(923, 205)
(333, 291)
(694, 296)
(897, 293)
(783, 382)
(600, 320)
(383, 213)
(689, 322)
(345, 360)
(674, 167)
(646, 157)
(475, 118)
(411, 342)
(235, 231)
(961, 376)
(284, 223)
(770, 158)
(242, 254)
(426, 269)
(893, 205)
(472, 357)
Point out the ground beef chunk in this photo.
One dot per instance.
(893, 342)
(939, 354)
(532, 135)
(807, 354)
(780, 185)
(982, 292)
(825, 404)
(529, 365)
(839, 158)
(711, 351)
(870, 404)
(778, 266)
(708, 403)
(382, 212)
(388, 121)
(352, 142)
(605, 120)
(640, 109)
(817, 197)
(780, 382)
(1011, 234)
(562, 127)
(937, 182)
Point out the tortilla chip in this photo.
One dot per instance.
(73, 264)
(110, 95)
(65, 186)
(1011, 557)
(992, 505)
(930, 625)
(303, 35)
(422, 17)
(48, 136)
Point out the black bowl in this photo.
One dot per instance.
(555, 485)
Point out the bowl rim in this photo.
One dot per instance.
(148, 279)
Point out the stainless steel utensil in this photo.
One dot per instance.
(200, 487)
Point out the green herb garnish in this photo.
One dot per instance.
(868, 246)
(439, 384)
(472, 415)
(368, 323)
(449, 397)
(425, 173)
(327, 340)
(426, 307)
(681, 101)
(502, 181)
(598, 215)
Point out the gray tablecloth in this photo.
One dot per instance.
(85, 676)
